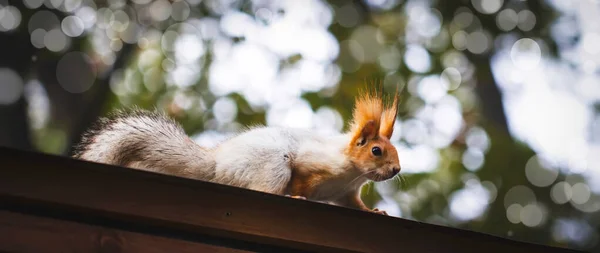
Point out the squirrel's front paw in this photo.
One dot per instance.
(377, 211)
(296, 197)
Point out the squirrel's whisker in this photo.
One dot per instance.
(405, 183)
(358, 177)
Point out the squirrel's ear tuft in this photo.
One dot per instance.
(366, 117)
(388, 118)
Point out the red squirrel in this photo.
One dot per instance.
(299, 163)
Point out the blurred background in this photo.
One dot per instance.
(499, 125)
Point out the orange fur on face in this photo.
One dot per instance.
(372, 127)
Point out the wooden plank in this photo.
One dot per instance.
(202, 207)
(26, 233)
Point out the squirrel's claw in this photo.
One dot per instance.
(377, 211)
(296, 197)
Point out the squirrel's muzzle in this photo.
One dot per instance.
(395, 171)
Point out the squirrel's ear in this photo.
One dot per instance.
(388, 119)
(368, 131)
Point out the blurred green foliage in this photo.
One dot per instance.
(423, 196)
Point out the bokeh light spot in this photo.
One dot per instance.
(225, 110)
(487, 6)
(55, 40)
(561, 193)
(473, 159)
(347, 16)
(38, 104)
(507, 20)
(72, 5)
(141, 1)
(426, 22)
(478, 42)
(43, 19)
(168, 65)
(72, 26)
(492, 189)
(264, 15)
(237, 23)
(11, 86)
(573, 230)
(168, 41)
(120, 22)
(33, 4)
(328, 120)
(152, 78)
(519, 194)
(527, 20)
(53, 4)
(104, 17)
(297, 115)
(10, 18)
(431, 89)
(581, 193)
(160, 10)
(390, 58)
(116, 45)
(366, 37)
(188, 48)
(419, 158)
(539, 173)
(75, 72)
(532, 215)
(459, 40)
(417, 58)
(513, 213)
(37, 38)
(526, 54)
(477, 138)
(469, 202)
(463, 18)
(590, 42)
(451, 78)
(180, 10)
(87, 15)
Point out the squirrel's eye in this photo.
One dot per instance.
(376, 151)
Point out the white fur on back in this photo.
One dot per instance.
(260, 158)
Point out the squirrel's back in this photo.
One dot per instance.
(263, 158)
(145, 140)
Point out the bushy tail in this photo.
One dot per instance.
(145, 140)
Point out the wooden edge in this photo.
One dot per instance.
(151, 226)
(28, 233)
(179, 204)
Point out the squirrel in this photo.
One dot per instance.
(294, 162)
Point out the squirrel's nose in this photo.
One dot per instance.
(395, 170)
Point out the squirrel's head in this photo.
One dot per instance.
(370, 149)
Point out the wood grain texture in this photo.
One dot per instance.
(26, 233)
(140, 197)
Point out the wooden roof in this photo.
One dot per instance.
(58, 204)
